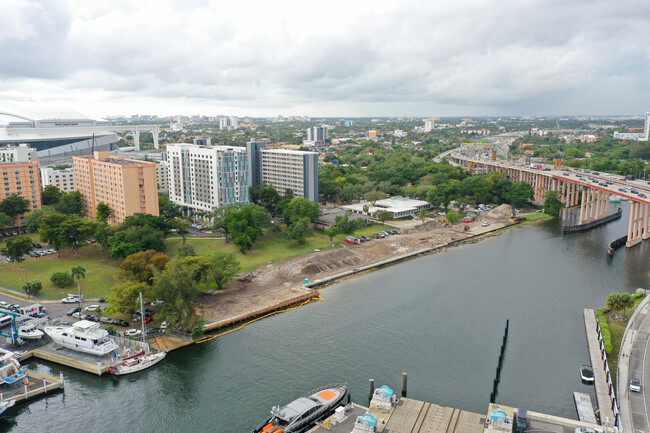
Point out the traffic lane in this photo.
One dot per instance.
(638, 368)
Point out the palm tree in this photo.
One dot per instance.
(79, 272)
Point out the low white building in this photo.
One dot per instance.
(400, 207)
(62, 178)
(20, 153)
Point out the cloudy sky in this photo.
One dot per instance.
(333, 58)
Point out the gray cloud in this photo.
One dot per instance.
(417, 58)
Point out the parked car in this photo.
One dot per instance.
(91, 308)
(72, 311)
(164, 325)
(4, 304)
(147, 312)
(121, 322)
(132, 333)
(106, 320)
(151, 331)
(485, 223)
(584, 430)
(69, 300)
(642, 195)
(79, 315)
(93, 318)
(102, 300)
(147, 319)
(365, 238)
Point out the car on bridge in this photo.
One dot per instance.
(635, 385)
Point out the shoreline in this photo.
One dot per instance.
(284, 305)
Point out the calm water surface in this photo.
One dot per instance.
(440, 318)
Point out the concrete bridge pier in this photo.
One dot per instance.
(639, 225)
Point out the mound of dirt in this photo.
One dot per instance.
(503, 211)
(310, 269)
(430, 225)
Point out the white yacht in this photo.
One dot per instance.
(83, 336)
(28, 331)
(137, 362)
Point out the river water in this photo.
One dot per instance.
(440, 318)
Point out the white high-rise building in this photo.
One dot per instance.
(20, 153)
(429, 125)
(229, 122)
(62, 179)
(204, 178)
(316, 136)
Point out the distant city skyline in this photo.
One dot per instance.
(362, 58)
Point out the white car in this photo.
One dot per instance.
(91, 308)
(132, 333)
(69, 300)
(485, 223)
(635, 385)
(79, 315)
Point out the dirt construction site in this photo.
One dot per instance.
(279, 282)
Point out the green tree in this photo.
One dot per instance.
(133, 240)
(300, 208)
(346, 225)
(243, 242)
(6, 220)
(614, 302)
(50, 231)
(177, 291)
(452, 216)
(186, 251)
(78, 272)
(15, 249)
(331, 232)
(374, 196)
(422, 214)
(33, 288)
(626, 301)
(224, 268)
(181, 226)
(520, 193)
(141, 266)
(552, 203)
(268, 197)
(50, 195)
(74, 232)
(104, 212)
(167, 209)
(61, 279)
(198, 327)
(298, 230)
(382, 215)
(71, 203)
(33, 220)
(14, 205)
(125, 297)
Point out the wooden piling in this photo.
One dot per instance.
(404, 384)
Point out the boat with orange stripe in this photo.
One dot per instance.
(302, 413)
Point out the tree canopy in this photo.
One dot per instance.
(140, 266)
(14, 205)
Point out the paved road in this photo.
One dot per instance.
(637, 363)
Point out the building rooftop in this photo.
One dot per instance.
(289, 152)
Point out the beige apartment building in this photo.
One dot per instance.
(22, 178)
(128, 186)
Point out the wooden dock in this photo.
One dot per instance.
(260, 312)
(584, 407)
(413, 416)
(35, 385)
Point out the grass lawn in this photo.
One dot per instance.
(100, 270)
(616, 330)
(535, 217)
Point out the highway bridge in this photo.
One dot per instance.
(589, 190)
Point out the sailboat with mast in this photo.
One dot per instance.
(141, 360)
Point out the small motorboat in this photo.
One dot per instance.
(586, 374)
(5, 405)
(302, 413)
(29, 332)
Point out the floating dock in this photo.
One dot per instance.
(34, 385)
(584, 407)
(409, 416)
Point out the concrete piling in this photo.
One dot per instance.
(371, 389)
